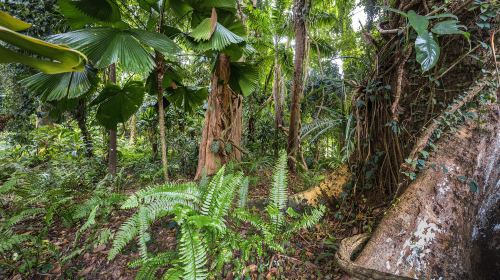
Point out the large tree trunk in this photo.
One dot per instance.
(222, 129)
(80, 115)
(434, 231)
(112, 148)
(300, 10)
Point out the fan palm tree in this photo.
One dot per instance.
(217, 33)
(108, 43)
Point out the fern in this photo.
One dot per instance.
(279, 191)
(225, 195)
(307, 220)
(90, 222)
(125, 234)
(149, 267)
(193, 254)
(22, 216)
(243, 193)
(144, 237)
(208, 200)
(200, 215)
(11, 241)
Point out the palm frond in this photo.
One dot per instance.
(60, 86)
(105, 46)
(221, 38)
(82, 12)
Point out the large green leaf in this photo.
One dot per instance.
(117, 105)
(82, 12)
(61, 86)
(221, 38)
(12, 23)
(187, 98)
(229, 5)
(427, 51)
(203, 31)
(105, 46)
(244, 78)
(448, 27)
(418, 22)
(53, 58)
(157, 41)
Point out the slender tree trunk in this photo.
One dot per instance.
(278, 101)
(80, 115)
(300, 11)
(133, 129)
(221, 136)
(160, 68)
(112, 148)
(160, 71)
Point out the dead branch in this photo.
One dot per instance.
(386, 31)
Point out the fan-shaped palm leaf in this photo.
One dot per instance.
(187, 98)
(60, 86)
(244, 78)
(105, 46)
(82, 12)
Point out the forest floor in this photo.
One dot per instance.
(310, 254)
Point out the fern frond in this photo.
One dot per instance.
(90, 222)
(243, 193)
(12, 241)
(307, 220)
(279, 191)
(150, 266)
(167, 192)
(255, 221)
(225, 195)
(208, 200)
(144, 237)
(22, 216)
(125, 234)
(174, 273)
(193, 254)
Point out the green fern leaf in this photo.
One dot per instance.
(125, 234)
(193, 254)
(10, 242)
(279, 191)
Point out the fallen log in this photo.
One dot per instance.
(437, 227)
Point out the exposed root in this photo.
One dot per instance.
(348, 247)
(331, 187)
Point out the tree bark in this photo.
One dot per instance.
(435, 229)
(80, 115)
(278, 100)
(300, 11)
(112, 147)
(133, 129)
(222, 129)
(160, 68)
